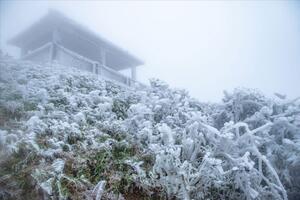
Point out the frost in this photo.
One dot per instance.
(99, 189)
(58, 165)
(47, 186)
(79, 118)
(166, 134)
(8, 142)
(70, 135)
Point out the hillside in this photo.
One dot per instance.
(66, 134)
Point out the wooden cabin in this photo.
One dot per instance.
(58, 38)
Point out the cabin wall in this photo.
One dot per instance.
(54, 52)
(63, 57)
(86, 47)
(80, 44)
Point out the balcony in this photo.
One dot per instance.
(55, 52)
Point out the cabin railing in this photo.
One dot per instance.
(64, 56)
(112, 74)
(98, 68)
(40, 54)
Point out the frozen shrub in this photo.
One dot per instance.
(66, 134)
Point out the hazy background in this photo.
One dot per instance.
(204, 47)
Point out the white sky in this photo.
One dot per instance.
(204, 47)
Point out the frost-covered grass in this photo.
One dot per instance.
(66, 134)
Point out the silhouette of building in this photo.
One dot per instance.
(57, 38)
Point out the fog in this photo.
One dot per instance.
(203, 47)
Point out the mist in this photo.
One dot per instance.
(203, 47)
(81, 118)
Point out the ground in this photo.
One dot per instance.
(69, 134)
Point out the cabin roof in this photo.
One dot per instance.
(54, 20)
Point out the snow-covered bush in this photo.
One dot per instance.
(68, 134)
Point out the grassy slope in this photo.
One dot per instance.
(63, 131)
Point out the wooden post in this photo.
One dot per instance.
(51, 53)
(103, 56)
(128, 81)
(94, 67)
(100, 69)
(133, 73)
(55, 38)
